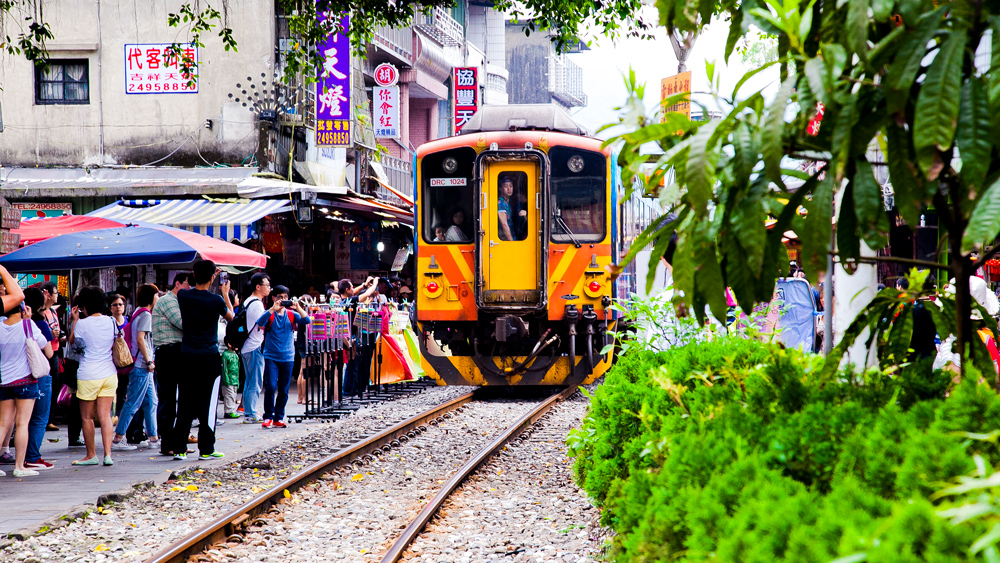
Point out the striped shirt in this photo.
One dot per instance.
(167, 321)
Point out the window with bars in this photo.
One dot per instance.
(63, 82)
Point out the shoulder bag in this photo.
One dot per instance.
(37, 361)
(120, 352)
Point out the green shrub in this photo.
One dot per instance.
(738, 450)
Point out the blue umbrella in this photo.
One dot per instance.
(123, 246)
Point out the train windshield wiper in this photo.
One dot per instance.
(562, 223)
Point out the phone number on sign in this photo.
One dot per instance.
(162, 87)
(333, 138)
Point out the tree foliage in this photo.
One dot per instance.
(897, 73)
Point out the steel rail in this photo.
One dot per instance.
(229, 523)
(420, 520)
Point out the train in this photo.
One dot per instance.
(517, 222)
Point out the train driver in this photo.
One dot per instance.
(505, 217)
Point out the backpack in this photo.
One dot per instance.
(132, 339)
(236, 330)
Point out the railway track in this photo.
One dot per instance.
(371, 450)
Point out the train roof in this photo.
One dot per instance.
(523, 117)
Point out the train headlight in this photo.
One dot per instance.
(450, 165)
(433, 287)
(575, 163)
(594, 286)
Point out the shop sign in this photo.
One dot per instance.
(466, 102)
(32, 210)
(333, 89)
(386, 102)
(342, 253)
(386, 75)
(400, 260)
(154, 68)
(671, 86)
(364, 251)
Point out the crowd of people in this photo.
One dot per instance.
(160, 368)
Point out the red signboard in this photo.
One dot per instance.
(386, 75)
(466, 102)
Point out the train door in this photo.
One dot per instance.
(511, 222)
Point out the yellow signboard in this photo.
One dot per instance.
(672, 85)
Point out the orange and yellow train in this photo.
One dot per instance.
(517, 223)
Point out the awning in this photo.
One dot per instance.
(222, 220)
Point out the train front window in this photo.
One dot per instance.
(579, 195)
(447, 204)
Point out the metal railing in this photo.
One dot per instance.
(400, 174)
(439, 25)
(566, 81)
(397, 40)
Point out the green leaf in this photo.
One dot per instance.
(984, 225)
(834, 59)
(994, 77)
(816, 229)
(772, 138)
(816, 77)
(937, 106)
(751, 74)
(701, 167)
(868, 205)
(750, 229)
(912, 50)
(848, 240)
(973, 137)
(857, 27)
(746, 153)
(735, 32)
(903, 174)
(900, 335)
(843, 128)
(708, 274)
(881, 10)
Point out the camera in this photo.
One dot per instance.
(223, 277)
(287, 303)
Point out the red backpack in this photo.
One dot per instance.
(291, 320)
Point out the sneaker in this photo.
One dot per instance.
(213, 455)
(143, 444)
(40, 465)
(278, 424)
(180, 457)
(7, 458)
(252, 420)
(77, 444)
(232, 415)
(265, 424)
(219, 422)
(3, 473)
(240, 409)
(25, 473)
(122, 446)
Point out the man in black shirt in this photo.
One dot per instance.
(199, 389)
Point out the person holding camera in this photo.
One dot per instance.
(199, 386)
(279, 324)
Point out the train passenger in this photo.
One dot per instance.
(279, 325)
(455, 233)
(505, 215)
(440, 234)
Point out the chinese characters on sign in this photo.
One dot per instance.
(386, 75)
(385, 100)
(466, 100)
(673, 85)
(153, 68)
(333, 90)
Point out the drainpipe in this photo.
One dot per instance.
(100, 90)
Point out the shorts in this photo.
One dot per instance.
(27, 391)
(90, 390)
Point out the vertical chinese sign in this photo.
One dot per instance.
(333, 89)
(156, 69)
(385, 102)
(671, 86)
(466, 100)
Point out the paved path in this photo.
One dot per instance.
(27, 502)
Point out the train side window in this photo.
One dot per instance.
(579, 195)
(447, 204)
(512, 205)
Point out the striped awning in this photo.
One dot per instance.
(222, 220)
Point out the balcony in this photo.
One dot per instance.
(496, 85)
(399, 173)
(440, 26)
(566, 82)
(396, 40)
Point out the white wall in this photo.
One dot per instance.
(137, 128)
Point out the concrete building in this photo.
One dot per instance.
(543, 76)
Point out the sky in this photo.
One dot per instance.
(606, 64)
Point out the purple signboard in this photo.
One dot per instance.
(333, 90)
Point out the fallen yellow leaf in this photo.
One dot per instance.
(287, 494)
(102, 547)
(192, 487)
(357, 477)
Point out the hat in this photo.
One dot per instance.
(405, 289)
(504, 179)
